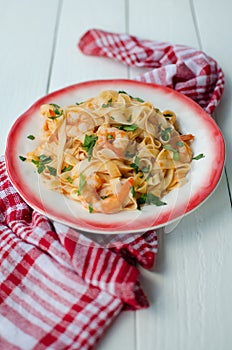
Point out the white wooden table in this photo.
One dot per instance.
(190, 288)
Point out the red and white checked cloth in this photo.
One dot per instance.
(57, 292)
(185, 69)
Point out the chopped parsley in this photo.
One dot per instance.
(41, 163)
(89, 143)
(134, 98)
(31, 137)
(45, 159)
(90, 208)
(135, 165)
(52, 170)
(81, 184)
(123, 92)
(165, 134)
(108, 104)
(69, 179)
(67, 168)
(131, 127)
(168, 115)
(22, 158)
(149, 198)
(175, 152)
(133, 191)
(104, 197)
(138, 99)
(145, 169)
(55, 112)
(199, 156)
(137, 169)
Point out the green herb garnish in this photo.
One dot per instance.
(135, 165)
(175, 152)
(57, 111)
(69, 179)
(165, 134)
(104, 197)
(54, 105)
(41, 163)
(90, 208)
(131, 127)
(52, 170)
(149, 198)
(108, 104)
(81, 184)
(44, 159)
(123, 92)
(199, 156)
(41, 168)
(168, 115)
(138, 99)
(31, 137)
(22, 158)
(152, 199)
(180, 143)
(89, 143)
(67, 168)
(134, 98)
(133, 191)
(145, 169)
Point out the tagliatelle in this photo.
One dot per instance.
(112, 152)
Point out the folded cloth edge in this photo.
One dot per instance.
(158, 56)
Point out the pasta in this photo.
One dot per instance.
(112, 152)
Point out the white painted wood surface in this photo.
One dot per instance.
(190, 287)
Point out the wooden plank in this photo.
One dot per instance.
(26, 36)
(71, 66)
(167, 21)
(190, 280)
(189, 288)
(215, 37)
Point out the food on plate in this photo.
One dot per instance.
(112, 152)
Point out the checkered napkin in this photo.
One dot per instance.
(185, 69)
(58, 288)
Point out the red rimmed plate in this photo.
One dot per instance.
(202, 179)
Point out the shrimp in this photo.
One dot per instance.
(78, 123)
(113, 203)
(114, 139)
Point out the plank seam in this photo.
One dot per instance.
(228, 186)
(195, 23)
(58, 15)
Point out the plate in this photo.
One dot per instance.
(201, 180)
